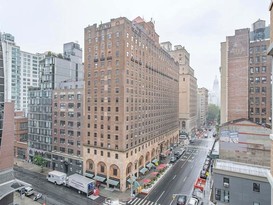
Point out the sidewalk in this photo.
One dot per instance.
(24, 200)
(29, 166)
(105, 192)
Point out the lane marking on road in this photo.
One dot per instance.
(171, 202)
(185, 178)
(174, 177)
(160, 196)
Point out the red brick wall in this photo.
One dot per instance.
(238, 57)
(6, 149)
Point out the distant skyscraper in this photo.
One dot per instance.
(214, 94)
(187, 88)
(22, 71)
(202, 106)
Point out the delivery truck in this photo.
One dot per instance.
(81, 183)
(57, 177)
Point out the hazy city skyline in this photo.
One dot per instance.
(199, 26)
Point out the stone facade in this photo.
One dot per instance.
(131, 99)
(187, 88)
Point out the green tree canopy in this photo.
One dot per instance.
(213, 112)
(39, 160)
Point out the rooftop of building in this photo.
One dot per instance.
(242, 168)
(266, 126)
(9, 184)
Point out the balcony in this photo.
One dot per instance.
(96, 59)
(109, 58)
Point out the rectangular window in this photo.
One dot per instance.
(256, 187)
(115, 172)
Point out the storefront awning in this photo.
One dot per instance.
(131, 179)
(150, 165)
(155, 161)
(89, 175)
(112, 182)
(143, 170)
(99, 178)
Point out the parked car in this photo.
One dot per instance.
(203, 174)
(197, 194)
(28, 191)
(207, 162)
(37, 196)
(182, 200)
(173, 159)
(205, 167)
(193, 201)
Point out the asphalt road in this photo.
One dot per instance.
(54, 194)
(182, 176)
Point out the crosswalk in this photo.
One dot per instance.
(110, 203)
(139, 201)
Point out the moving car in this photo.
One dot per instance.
(182, 200)
(37, 196)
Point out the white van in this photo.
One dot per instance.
(28, 191)
(57, 177)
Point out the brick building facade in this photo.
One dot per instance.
(131, 102)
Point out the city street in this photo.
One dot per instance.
(180, 179)
(54, 194)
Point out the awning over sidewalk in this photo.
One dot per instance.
(155, 161)
(143, 170)
(131, 180)
(112, 182)
(150, 165)
(89, 175)
(146, 181)
(99, 178)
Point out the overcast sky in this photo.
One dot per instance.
(199, 25)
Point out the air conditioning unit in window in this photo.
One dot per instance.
(226, 185)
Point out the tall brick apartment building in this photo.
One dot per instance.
(131, 100)
(245, 75)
